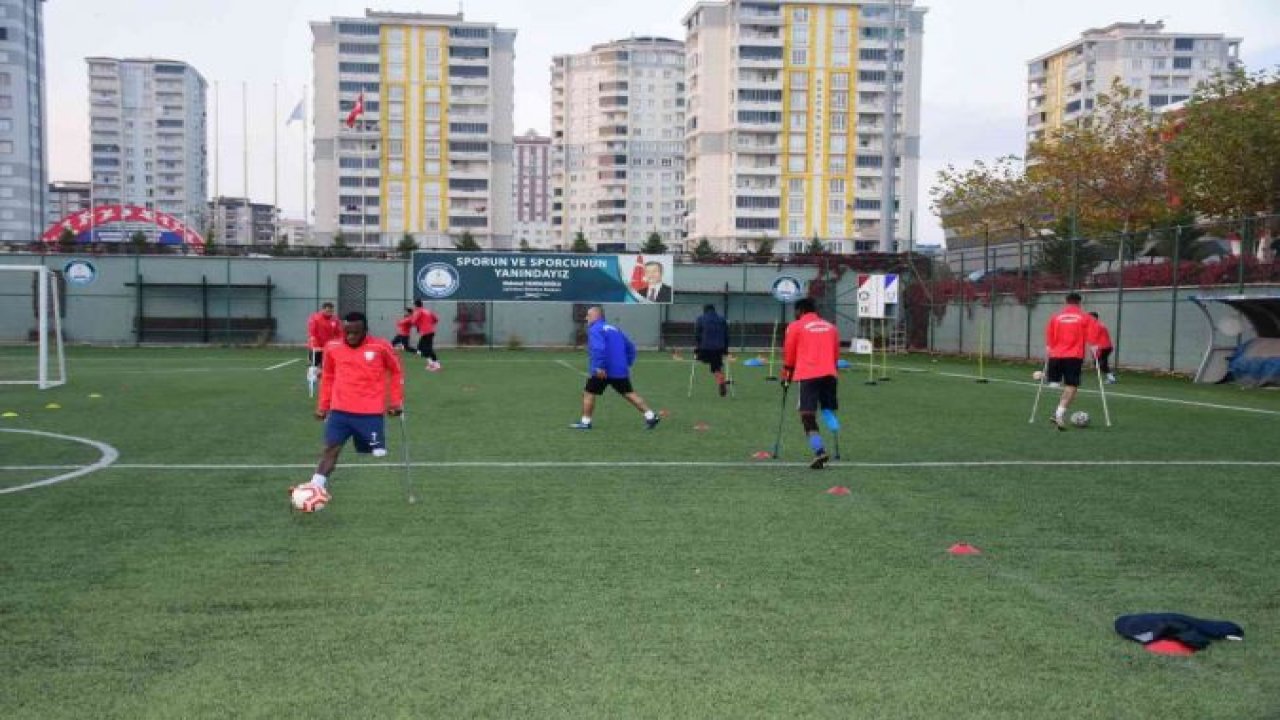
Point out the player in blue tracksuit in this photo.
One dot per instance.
(711, 335)
(610, 355)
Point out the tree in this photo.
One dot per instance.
(1110, 171)
(763, 248)
(524, 246)
(139, 241)
(985, 199)
(466, 243)
(653, 245)
(1224, 150)
(1070, 259)
(339, 247)
(814, 247)
(703, 250)
(580, 244)
(67, 240)
(407, 245)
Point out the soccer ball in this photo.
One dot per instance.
(1037, 375)
(308, 498)
(1080, 419)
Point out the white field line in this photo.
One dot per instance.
(109, 456)
(283, 364)
(1113, 393)
(570, 368)
(519, 465)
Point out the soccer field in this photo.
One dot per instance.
(622, 572)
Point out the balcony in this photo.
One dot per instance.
(758, 16)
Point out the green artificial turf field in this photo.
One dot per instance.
(628, 573)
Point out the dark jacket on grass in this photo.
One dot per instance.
(1192, 632)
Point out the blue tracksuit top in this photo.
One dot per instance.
(609, 348)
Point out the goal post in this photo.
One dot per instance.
(37, 284)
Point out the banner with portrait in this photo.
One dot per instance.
(543, 277)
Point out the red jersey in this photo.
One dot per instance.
(355, 379)
(1101, 337)
(425, 321)
(1068, 331)
(811, 348)
(322, 329)
(403, 325)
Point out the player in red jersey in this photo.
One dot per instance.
(1065, 337)
(322, 327)
(362, 381)
(810, 351)
(425, 321)
(404, 326)
(1102, 347)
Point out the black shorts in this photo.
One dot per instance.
(400, 341)
(819, 393)
(1065, 371)
(714, 358)
(317, 358)
(596, 385)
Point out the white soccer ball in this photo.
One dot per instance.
(308, 498)
(1037, 375)
(1080, 419)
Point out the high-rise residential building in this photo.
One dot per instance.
(65, 198)
(797, 114)
(23, 173)
(431, 154)
(617, 118)
(148, 137)
(532, 192)
(239, 221)
(1063, 85)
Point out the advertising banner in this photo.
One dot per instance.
(542, 277)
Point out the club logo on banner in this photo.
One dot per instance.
(543, 277)
(874, 293)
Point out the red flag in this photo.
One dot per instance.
(637, 275)
(356, 111)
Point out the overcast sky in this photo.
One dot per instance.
(974, 64)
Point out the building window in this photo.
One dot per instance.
(6, 147)
(1182, 63)
(1183, 44)
(799, 56)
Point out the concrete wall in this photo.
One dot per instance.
(1153, 328)
(103, 312)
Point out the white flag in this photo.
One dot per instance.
(297, 115)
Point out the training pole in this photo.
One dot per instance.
(728, 377)
(311, 372)
(982, 334)
(884, 350)
(693, 366)
(408, 479)
(1044, 371)
(782, 411)
(871, 360)
(773, 343)
(1106, 414)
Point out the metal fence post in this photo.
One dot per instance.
(1173, 313)
(1119, 302)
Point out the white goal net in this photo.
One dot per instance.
(31, 327)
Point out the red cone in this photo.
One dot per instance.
(762, 455)
(701, 427)
(963, 549)
(1169, 647)
(838, 490)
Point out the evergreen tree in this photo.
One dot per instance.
(580, 244)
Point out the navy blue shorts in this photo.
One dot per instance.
(368, 431)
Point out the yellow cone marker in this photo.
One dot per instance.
(10, 414)
(53, 406)
(95, 395)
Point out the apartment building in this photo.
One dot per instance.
(430, 156)
(23, 155)
(618, 131)
(148, 137)
(803, 121)
(1063, 85)
(65, 198)
(239, 221)
(532, 192)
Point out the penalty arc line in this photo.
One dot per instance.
(109, 456)
(570, 368)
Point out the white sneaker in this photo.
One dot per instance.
(1111, 379)
(379, 452)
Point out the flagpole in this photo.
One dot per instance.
(217, 167)
(275, 162)
(306, 193)
(244, 118)
(364, 162)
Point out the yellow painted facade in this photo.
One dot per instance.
(424, 191)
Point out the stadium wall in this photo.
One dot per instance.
(104, 310)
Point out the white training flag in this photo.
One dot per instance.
(298, 114)
(863, 346)
(871, 296)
